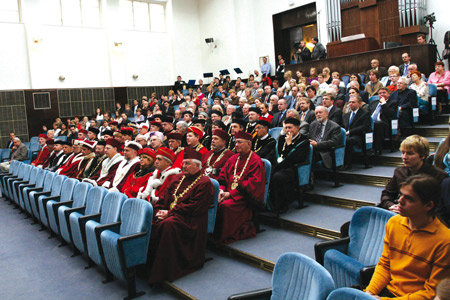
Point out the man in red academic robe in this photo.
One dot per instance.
(174, 140)
(87, 148)
(142, 173)
(160, 179)
(126, 166)
(179, 229)
(50, 143)
(106, 174)
(193, 137)
(242, 187)
(43, 153)
(215, 159)
(70, 168)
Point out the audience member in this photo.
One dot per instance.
(18, 152)
(407, 100)
(280, 116)
(214, 160)
(319, 51)
(263, 144)
(265, 67)
(43, 153)
(441, 79)
(306, 113)
(334, 114)
(375, 65)
(373, 85)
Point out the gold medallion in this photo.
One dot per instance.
(234, 185)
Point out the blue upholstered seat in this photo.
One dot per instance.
(110, 213)
(79, 196)
(275, 132)
(24, 169)
(34, 193)
(126, 245)
(6, 154)
(25, 179)
(93, 205)
(34, 139)
(344, 258)
(349, 294)
(42, 198)
(295, 276)
(31, 181)
(268, 170)
(213, 209)
(51, 203)
(37, 184)
(13, 172)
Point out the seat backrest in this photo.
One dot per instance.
(67, 189)
(48, 180)
(212, 212)
(33, 175)
(275, 132)
(268, 169)
(34, 139)
(111, 207)
(346, 79)
(57, 184)
(6, 154)
(80, 193)
(367, 234)
(21, 171)
(343, 136)
(304, 171)
(136, 216)
(374, 98)
(297, 276)
(61, 138)
(17, 166)
(34, 147)
(432, 90)
(94, 200)
(27, 172)
(40, 177)
(348, 294)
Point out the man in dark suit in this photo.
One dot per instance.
(319, 51)
(375, 64)
(267, 93)
(263, 144)
(406, 58)
(292, 148)
(306, 114)
(10, 143)
(178, 85)
(356, 122)
(289, 99)
(382, 111)
(304, 52)
(334, 113)
(407, 100)
(323, 135)
(280, 116)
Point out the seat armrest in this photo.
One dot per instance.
(67, 203)
(253, 295)
(366, 274)
(52, 198)
(84, 219)
(321, 247)
(337, 147)
(38, 194)
(132, 236)
(75, 209)
(305, 163)
(113, 227)
(35, 189)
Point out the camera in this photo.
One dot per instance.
(431, 18)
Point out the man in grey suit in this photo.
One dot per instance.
(323, 135)
(280, 116)
(18, 152)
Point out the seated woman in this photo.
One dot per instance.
(141, 175)
(354, 77)
(441, 79)
(313, 75)
(394, 76)
(327, 75)
(420, 87)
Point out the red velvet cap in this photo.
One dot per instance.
(147, 152)
(198, 132)
(222, 134)
(166, 152)
(190, 153)
(243, 135)
(115, 143)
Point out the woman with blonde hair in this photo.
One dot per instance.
(312, 75)
(286, 86)
(327, 75)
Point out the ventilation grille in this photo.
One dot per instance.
(84, 102)
(13, 116)
(42, 101)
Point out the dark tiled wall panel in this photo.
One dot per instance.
(12, 116)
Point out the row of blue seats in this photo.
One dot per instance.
(111, 230)
(339, 264)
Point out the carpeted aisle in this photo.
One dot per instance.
(33, 267)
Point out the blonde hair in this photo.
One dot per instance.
(417, 144)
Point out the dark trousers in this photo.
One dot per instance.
(283, 188)
(380, 131)
(349, 144)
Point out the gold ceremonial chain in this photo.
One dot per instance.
(209, 168)
(172, 205)
(234, 185)
(179, 150)
(256, 146)
(198, 147)
(96, 167)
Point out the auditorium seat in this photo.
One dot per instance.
(275, 132)
(346, 79)
(91, 205)
(213, 208)
(45, 189)
(24, 179)
(25, 189)
(51, 204)
(34, 139)
(303, 176)
(349, 294)
(345, 258)
(43, 197)
(126, 244)
(110, 213)
(31, 180)
(34, 148)
(295, 276)
(365, 146)
(13, 172)
(9, 181)
(6, 154)
(268, 172)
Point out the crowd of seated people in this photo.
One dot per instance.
(163, 148)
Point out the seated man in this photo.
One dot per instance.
(324, 134)
(263, 144)
(179, 229)
(141, 173)
(334, 113)
(242, 182)
(88, 150)
(375, 65)
(66, 155)
(291, 148)
(415, 150)
(18, 152)
(70, 167)
(43, 153)
(161, 177)
(50, 145)
(306, 113)
(253, 116)
(236, 126)
(174, 140)
(215, 159)
(193, 137)
(356, 122)
(407, 100)
(96, 163)
(383, 111)
(105, 176)
(127, 165)
(58, 153)
(374, 84)
(416, 248)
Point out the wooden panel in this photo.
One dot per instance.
(423, 55)
(356, 46)
(37, 118)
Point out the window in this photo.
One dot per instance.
(142, 15)
(42, 101)
(9, 11)
(84, 13)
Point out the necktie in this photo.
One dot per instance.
(405, 71)
(376, 113)
(303, 116)
(351, 118)
(281, 116)
(319, 133)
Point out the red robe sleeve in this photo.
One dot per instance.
(132, 185)
(129, 173)
(42, 156)
(109, 177)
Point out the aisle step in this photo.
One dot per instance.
(374, 176)
(387, 158)
(439, 130)
(264, 250)
(441, 119)
(219, 278)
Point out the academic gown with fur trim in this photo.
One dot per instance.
(134, 183)
(234, 215)
(178, 243)
(70, 169)
(109, 177)
(42, 156)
